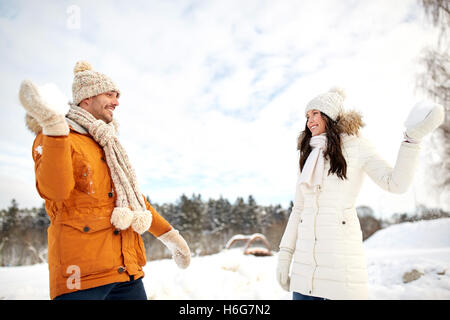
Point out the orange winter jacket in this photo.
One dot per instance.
(84, 248)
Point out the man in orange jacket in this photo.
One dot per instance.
(96, 210)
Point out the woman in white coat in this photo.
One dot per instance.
(323, 238)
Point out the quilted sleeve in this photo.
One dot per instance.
(159, 225)
(397, 179)
(53, 167)
(289, 238)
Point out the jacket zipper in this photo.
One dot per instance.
(315, 236)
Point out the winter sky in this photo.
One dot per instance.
(213, 92)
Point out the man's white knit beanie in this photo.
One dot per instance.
(89, 83)
(331, 103)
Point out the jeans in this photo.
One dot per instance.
(299, 296)
(129, 290)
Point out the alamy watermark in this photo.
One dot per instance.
(73, 21)
(73, 282)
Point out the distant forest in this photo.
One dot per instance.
(206, 225)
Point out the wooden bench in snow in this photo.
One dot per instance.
(249, 239)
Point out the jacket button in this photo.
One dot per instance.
(310, 291)
(86, 229)
(116, 231)
(121, 270)
(110, 194)
(343, 222)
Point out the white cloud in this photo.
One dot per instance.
(213, 92)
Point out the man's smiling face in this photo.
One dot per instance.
(101, 106)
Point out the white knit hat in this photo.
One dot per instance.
(89, 83)
(330, 103)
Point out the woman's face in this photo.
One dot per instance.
(315, 122)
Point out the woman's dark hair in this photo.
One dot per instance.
(338, 165)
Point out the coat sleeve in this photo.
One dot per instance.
(397, 179)
(159, 224)
(53, 167)
(289, 238)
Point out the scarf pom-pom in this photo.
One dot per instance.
(121, 218)
(142, 221)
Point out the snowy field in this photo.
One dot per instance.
(423, 246)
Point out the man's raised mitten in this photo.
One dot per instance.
(52, 122)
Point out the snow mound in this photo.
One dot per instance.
(412, 235)
(422, 247)
(228, 275)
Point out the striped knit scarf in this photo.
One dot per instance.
(130, 205)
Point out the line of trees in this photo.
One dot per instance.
(207, 225)
(23, 235)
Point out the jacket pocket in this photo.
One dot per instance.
(349, 222)
(140, 248)
(348, 215)
(86, 244)
(83, 174)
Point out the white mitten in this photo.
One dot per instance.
(284, 263)
(178, 246)
(423, 118)
(52, 122)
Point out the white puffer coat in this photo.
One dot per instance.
(323, 231)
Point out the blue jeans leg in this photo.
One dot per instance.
(129, 290)
(299, 296)
(97, 293)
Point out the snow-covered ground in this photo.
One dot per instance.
(423, 246)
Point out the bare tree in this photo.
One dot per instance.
(435, 80)
(435, 83)
(439, 12)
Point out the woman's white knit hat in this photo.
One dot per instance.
(89, 83)
(331, 103)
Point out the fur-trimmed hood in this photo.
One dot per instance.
(36, 128)
(32, 124)
(349, 122)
